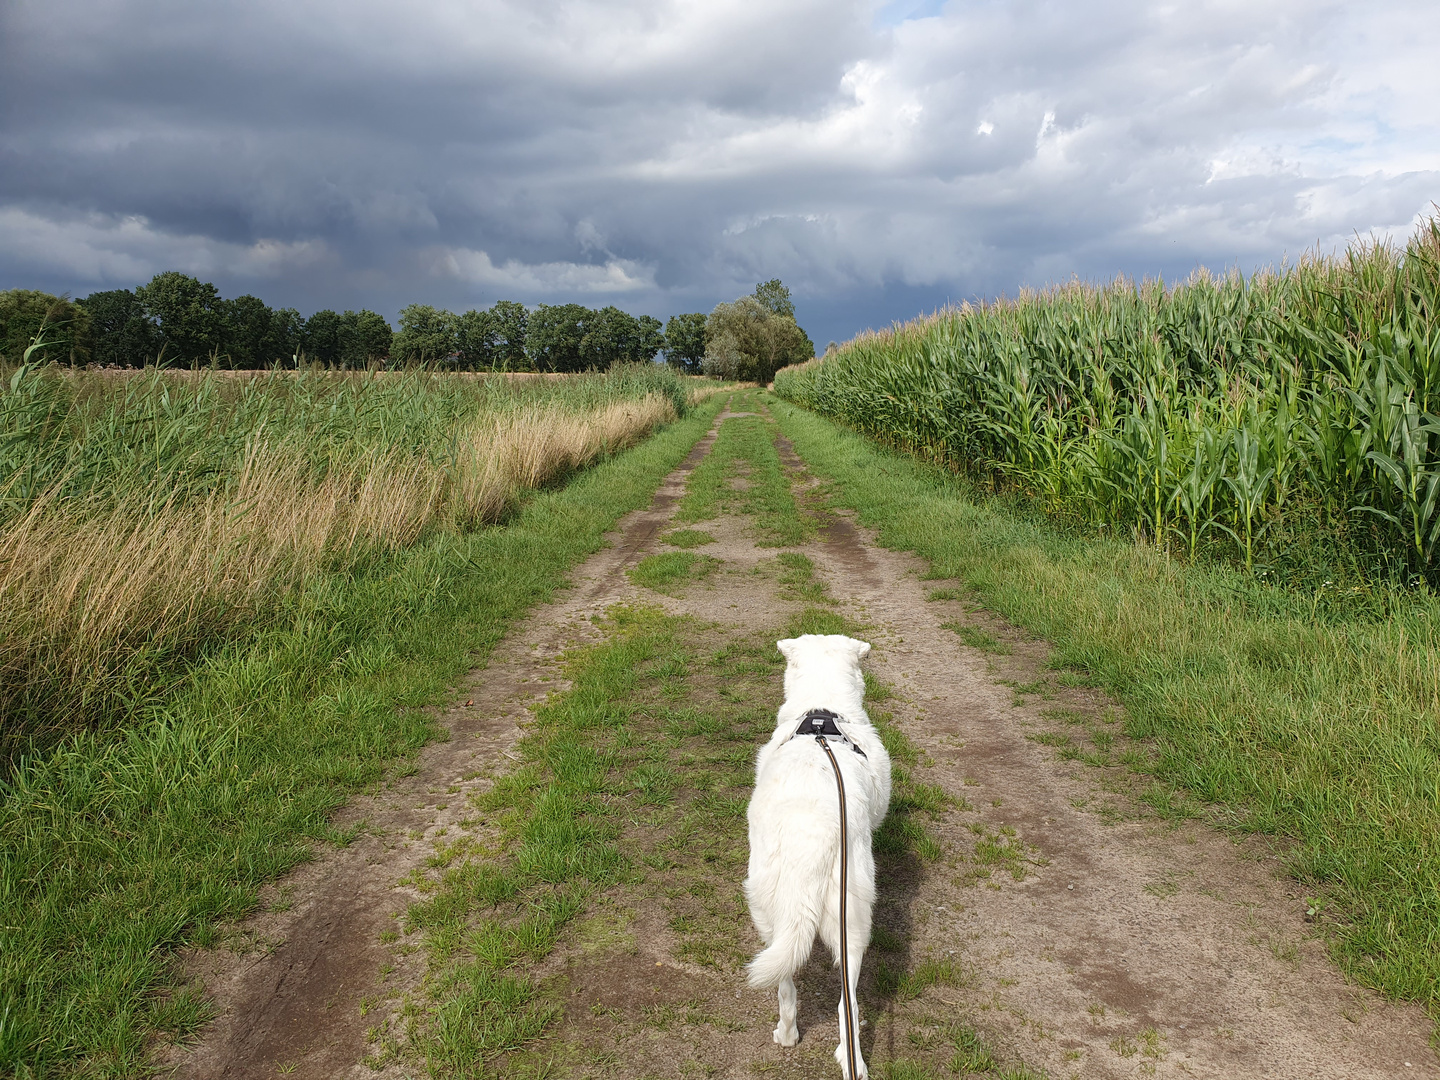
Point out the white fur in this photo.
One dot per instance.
(794, 882)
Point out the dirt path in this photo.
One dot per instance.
(1065, 927)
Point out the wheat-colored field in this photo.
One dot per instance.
(143, 517)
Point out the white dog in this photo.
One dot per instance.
(794, 883)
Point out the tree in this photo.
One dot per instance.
(59, 324)
(365, 339)
(321, 338)
(289, 329)
(511, 322)
(189, 313)
(556, 335)
(123, 336)
(685, 342)
(775, 296)
(475, 340)
(250, 338)
(611, 337)
(749, 340)
(649, 339)
(427, 335)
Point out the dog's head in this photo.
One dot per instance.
(832, 659)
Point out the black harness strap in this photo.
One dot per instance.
(826, 728)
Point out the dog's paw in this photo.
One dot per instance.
(787, 1036)
(859, 1064)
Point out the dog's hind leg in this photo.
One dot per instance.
(787, 1033)
(856, 957)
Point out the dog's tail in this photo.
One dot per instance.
(794, 937)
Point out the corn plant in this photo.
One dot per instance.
(1212, 407)
(1408, 463)
(1249, 486)
(1194, 495)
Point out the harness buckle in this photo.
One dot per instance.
(826, 729)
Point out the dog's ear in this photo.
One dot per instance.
(862, 649)
(787, 648)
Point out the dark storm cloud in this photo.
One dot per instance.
(667, 155)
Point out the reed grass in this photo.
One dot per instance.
(146, 517)
(1286, 421)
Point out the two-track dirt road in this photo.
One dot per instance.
(1090, 937)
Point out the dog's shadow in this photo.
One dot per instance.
(898, 873)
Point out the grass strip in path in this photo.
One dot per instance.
(743, 474)
(1324, 732)
(669, 571)
(116, 849)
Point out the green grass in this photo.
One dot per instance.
(797, 576)
(561, 842)
(979, 639)
(669, 569)
(971, 1053)
(117, 847)
(1272, 716)
(971, 1056)
(905, 986)
(744, 453)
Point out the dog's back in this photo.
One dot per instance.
(794, 880)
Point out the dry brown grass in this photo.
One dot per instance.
(83, 592)
(502, 455)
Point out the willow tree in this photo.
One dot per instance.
(755, 336)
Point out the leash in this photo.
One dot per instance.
(823, 734)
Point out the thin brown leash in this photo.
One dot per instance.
(845, 1000)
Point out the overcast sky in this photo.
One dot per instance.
(664, 155)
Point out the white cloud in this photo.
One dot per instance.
(513, 277)
(93, 249)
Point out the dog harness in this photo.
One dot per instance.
(825, 728)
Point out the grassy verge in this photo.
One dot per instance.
(115, 848)
(1265, 714)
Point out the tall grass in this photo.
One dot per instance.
(120, 844)
(1261, 418)
(141, 518)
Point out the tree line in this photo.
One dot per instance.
(177, 319)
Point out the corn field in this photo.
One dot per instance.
(1224, 414)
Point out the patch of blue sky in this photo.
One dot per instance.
(1331, 144)
(901, 11)
(1336, 146)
